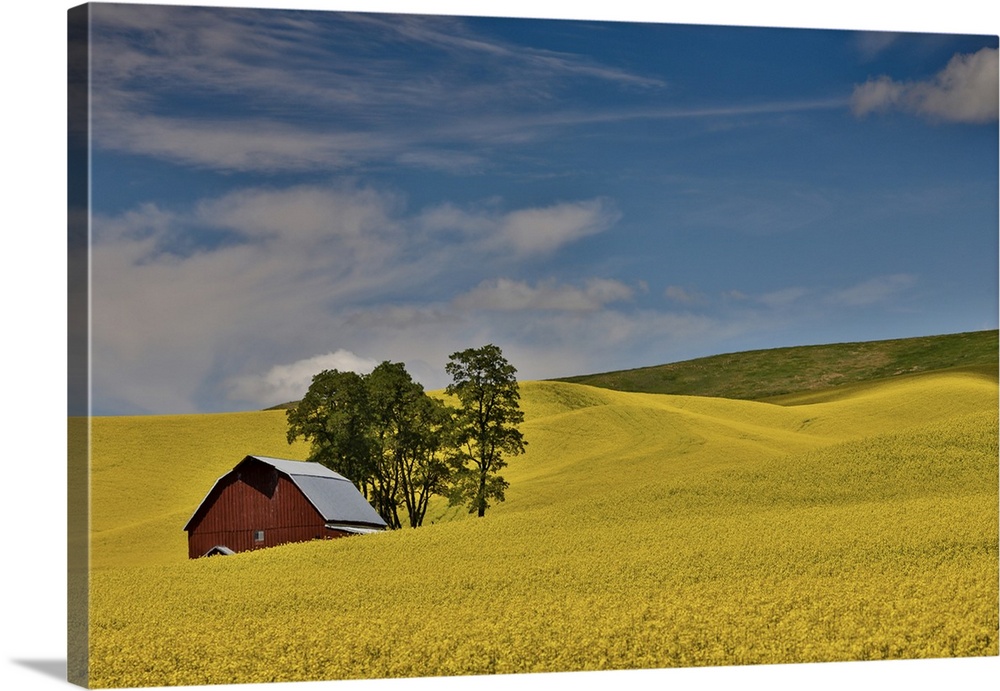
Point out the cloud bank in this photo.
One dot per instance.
(222, 293)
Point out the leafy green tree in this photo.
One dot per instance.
(410, 432)
(335, 417)
(486, 425)
(383, 432)
(422, 463)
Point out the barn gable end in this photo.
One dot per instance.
(266, 501)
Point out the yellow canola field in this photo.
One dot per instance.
(639, 531)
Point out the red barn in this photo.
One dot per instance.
(264, 502)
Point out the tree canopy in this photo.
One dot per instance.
(335, 416)
(400, 446)
(486, 425)
(382, 432)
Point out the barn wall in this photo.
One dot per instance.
(254, 496)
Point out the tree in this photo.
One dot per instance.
(382, 431)
(335, 417)
(485, 425)
(423, 469)
(409, 431)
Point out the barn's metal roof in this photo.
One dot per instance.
(334, 496)
(337, 500)
(300, 467)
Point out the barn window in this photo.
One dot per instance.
(258, 536)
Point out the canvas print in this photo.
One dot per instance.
(424, 346)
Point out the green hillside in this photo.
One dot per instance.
(761, 374)
(640, 530)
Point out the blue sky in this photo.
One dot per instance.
(280, 192)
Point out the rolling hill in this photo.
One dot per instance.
(640, 530)
(762, 374)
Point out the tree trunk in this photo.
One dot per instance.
(482, 493)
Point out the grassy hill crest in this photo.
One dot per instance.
(764, 374)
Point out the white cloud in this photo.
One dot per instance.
(964, 91)
(606, 290)
(448, 218)
(290, 382)
(516, 61)
(875, 290)
(684, 296)
(782, 298)
(877, 95)
(251, 144)
(362, 224)
(508, 296)
(805, 301)
(533, 231)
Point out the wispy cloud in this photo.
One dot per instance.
(784, 297)
(685, 296)
(964, 91)
(507, 295)
(451, 36)
(338, 91)
(870, 44)
(526, 232)
(360, 224)
(531, 231)
(873, 291)
(773, 302)
(304, 91)
(251, 144)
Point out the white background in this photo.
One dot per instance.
(32, 340)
